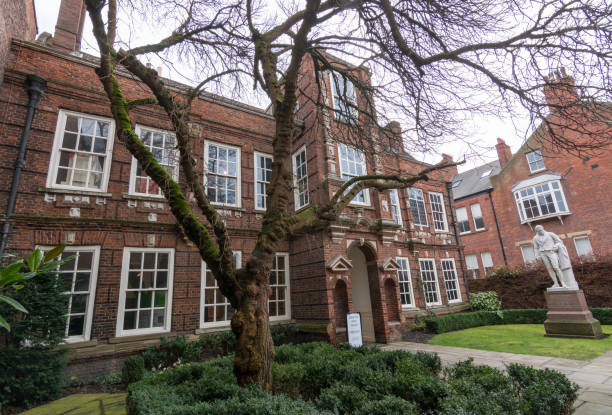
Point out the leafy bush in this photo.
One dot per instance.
(34, 374)
(169, 351)
(133, 369)
(485, 301)
(503, 272)
(543, 391)
(388, 405)
(346, 381)
(604, 315)
(461, 321)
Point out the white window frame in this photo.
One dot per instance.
(120, 332)
(474, 216)
(536, 161)
(362, 162)
(296, 191)
(475, 275)
(55, 153)
(132, 189)
(455, 279)
(287, 314)
(204, 269)
(396, 211)
(207, 144)
(521, 247)
(435, 273)
(410, 294)
(256, 156)
(89, 308)
(486, 258)
(588, 254)
(467, 220)
(557, 195)
(442, 212)
(340, 113)
(422, 201)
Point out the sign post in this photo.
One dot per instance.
(353, 329)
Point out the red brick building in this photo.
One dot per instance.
(17, 20)
(137, 277)
(498, 204)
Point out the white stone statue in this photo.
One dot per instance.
(549, 249)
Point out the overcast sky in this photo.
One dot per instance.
(484, 131)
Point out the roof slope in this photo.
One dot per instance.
(472, 181)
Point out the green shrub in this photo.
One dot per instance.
(345, 381)
(485, 301)
(133, 369)
(287, 378)
(388, 405)
(34, 374)
(30, 376)
(543, 392)
(461, 321)
(169, 351)
(503, 272)
(604, 315)
(342, 398)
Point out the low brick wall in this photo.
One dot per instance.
(526, 290)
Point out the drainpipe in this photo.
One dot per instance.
(501, 243)
(36, 87)
(449, 191)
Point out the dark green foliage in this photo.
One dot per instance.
(133, 369)
(461, 321)
(543, 391)
(388, 405)
(604, 315)
(342, 398)
(43, 296)
(346, 381)
(485, 301)
(32, 375)
(169, 351)
(287, 378)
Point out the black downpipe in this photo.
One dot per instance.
(36, 88)
(449, 191)
(501, 242)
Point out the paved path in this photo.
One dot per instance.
(593, 376)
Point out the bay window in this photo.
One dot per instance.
(540, 200)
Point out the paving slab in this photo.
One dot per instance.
(588, 408)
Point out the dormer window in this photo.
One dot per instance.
(457, 183)
(536, 163)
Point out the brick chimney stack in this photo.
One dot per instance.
(452, 170)
(560, 90)
(393, 133)
(503, 152)
(69, 26)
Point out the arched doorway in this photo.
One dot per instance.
(361, 293)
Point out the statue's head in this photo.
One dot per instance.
(539, 229)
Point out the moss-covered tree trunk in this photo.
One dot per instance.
(250, 324)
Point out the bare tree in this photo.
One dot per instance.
(430, 64)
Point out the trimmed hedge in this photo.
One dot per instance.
(461, 321)
(318, 379)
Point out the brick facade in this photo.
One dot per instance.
(17, 20)
(320, 293)
(584, 181)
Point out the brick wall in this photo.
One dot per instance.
(17, 20)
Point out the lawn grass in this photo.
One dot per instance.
(84, 404)
(524, 339)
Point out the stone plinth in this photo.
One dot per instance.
(569, 316)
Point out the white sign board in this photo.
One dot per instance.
(353, 329)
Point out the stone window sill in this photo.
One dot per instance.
(74, 192)
(140, 337)
(145, 198)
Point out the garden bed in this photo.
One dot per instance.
(316, 378)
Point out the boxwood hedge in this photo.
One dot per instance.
(318, 379)
(461, 321)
